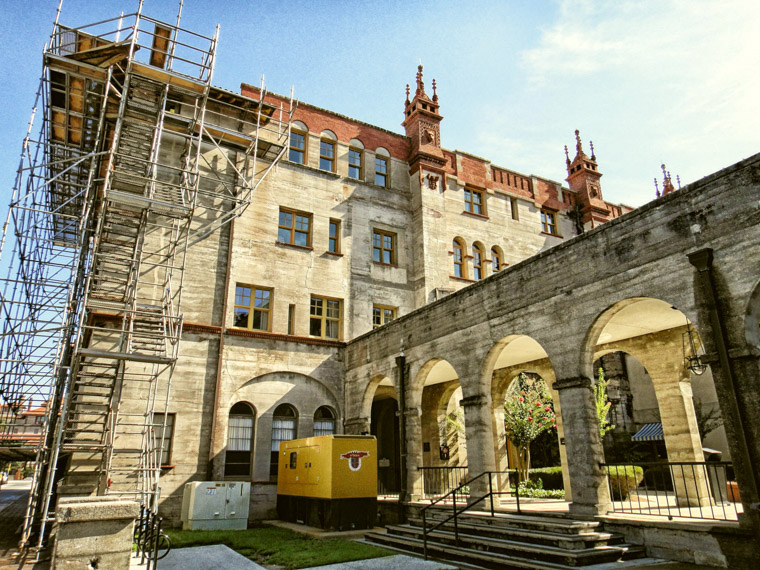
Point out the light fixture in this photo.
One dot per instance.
(691, 340)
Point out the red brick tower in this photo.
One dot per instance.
(422, 123)
(583, 176)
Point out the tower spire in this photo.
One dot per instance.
(422, 125)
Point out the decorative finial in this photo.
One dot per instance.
(567, 157)
(578, 146)
(420, 83)
(435, 95)
(657, 187)
(664, 172)
(591, 144)
(678, 180)
(407, 94)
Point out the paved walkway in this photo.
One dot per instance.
(220, 556)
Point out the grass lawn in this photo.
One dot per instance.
(268, 545)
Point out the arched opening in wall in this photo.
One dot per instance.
(324, 421)
(284, 421)
(444, 457)
(384, 425)
(657, 407)
(526, 415)
(240, 430)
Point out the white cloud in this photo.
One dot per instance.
(675, 79)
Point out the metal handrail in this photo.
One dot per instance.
(468, 506)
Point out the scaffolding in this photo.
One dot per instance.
(138, 157)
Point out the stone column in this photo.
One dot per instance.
(356, 426)
(478, 421)
(413, 440)
(549, 377)
(94, 532)
(591, 495)
(679, 427)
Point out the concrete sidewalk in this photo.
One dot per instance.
(220, 556)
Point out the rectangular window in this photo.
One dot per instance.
(383, 247)
(294, 228)
(549, 222)
(382, 315)
(324, 317)
(381, 171)
(474, 201)
(513, 207)
(253, 308)
(158, 422)
(327, 156)
(297, 152)
(355, 163)
(334, 239)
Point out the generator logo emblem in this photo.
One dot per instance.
(355, 459)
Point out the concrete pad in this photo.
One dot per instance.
(397, 562)
(206, 558)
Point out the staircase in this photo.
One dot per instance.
(512, 541)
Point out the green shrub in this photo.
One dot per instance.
(624, 479)
(535, 489)
(550, 476)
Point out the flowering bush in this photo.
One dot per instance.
(528, 412)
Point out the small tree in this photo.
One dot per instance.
(528, 412)
(602, 404)
(708, 420)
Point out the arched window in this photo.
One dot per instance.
(283, 429)
(459, 270)
(495, 259)
(477, 262)
(324, 421)
(239, 441)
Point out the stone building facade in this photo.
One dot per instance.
(359, 227)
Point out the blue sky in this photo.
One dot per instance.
(647, 81)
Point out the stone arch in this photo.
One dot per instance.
(293, 377)
(356, 143)
(327, 134)
(506, 359)
(652, 330)
(370, 391)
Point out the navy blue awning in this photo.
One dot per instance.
(650, 432)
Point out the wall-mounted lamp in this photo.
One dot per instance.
(690, 340)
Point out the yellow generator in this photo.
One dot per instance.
(328, 481)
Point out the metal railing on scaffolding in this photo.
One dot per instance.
(138, 156)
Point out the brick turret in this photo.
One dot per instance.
(422, 121)
(583, 177)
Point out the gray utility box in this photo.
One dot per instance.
(210, 505)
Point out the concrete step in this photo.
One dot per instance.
(524, 522)
(492, 553)
(564, 540)
(519, 548)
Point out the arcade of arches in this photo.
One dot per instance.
(635, 286)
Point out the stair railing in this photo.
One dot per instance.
(456, 512)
